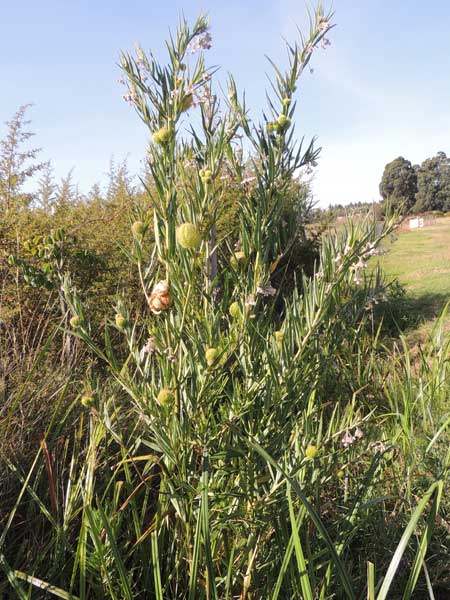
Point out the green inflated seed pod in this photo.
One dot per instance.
(165, 397)
(235, 310)
(311, 452)
(162, 135)
(211, 356)
(138, 228)
(188, 236)
(75, 321)
(121, 321)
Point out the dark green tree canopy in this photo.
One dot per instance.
(399, 184)
(433, 184)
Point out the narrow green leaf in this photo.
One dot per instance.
(402, 545)
(301, 563)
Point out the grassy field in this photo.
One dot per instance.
(420, 260)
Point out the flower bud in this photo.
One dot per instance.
(87, 400)
(311, 452)
(165, 397)
(283, 121)
(279, 338)
(188, 101)
(211, 356)
(271, 126)
(188, 236)
(75, 321)
(205, 175)
(286, 101)
(237, 259)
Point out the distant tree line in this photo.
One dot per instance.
(413, 189)
(327, 216)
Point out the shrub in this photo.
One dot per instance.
(233, 446)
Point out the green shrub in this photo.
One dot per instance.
(270, 468)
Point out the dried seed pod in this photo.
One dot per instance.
(160, 298)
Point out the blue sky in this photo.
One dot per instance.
(382, 88)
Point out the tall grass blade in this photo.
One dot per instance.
(156, 567)
(409, 531)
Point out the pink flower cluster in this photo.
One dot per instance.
(349, 438)
(131, 97)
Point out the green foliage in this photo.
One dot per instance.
(417, 189)
(399, 185)
(433, 184)
(230, 437)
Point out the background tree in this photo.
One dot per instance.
(46, 193)
(399, 184)
(16, 163)
(433, 184)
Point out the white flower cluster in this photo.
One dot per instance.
(323, 24)
(266, 290)
(203, 94)
(357, 268)
(149, 348)
(374, 300)
(190, 163)
(309, 50)
(250, 301)
(368, 251)
(142, 69)
(202, 41)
